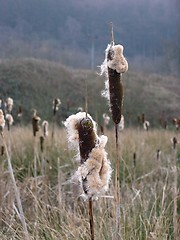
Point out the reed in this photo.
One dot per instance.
(11, 172)
(94, 173)
(56, 104)
(113, 66)
(175, 188)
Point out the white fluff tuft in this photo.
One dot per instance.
(71, 126)
(95, 174)
(118, 63)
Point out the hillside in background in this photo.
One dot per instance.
(35, 83)
(75, 33)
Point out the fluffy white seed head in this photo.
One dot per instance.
(71, 126)
(146, 125)
(95, 174)
(9, 104)
(45, 125)
(56, 104)
(2, 121)
(80, 109)
(118, 63)
(9, 119)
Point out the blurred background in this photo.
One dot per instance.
(50, 48)
(76, 33)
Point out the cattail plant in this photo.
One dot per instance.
(2, 121)
(158, 154)
(35, 128)
(16, 190)
(113, 66)
(175, 188)
(9, 121)
(9, 105)
(146, 125)
(56, 104)
(44, 135)
(176, 123)
(94, 173)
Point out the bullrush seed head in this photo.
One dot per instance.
(45, 125)
(113, 66)
(82, 133)
(116, 94)
(2, 121)
(2, 150)
(95, 171)
(95, 174)
(87, 138)
(9, 120)
(35, 122)
(9, 104)
(56, 104)
(174, 142)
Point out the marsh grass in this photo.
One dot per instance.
(147, 200)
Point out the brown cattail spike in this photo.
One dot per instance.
(2, 150)
(42, 143)
(56, 104)
(116, 94)
(158, 154)
(174, 141)
(87, 138)
(35, 122)
(134, 159)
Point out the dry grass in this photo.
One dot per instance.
(146, 189)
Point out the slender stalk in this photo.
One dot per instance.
(17, 193)
(175, 193)
(53, 126)
(91, 220)
(117, 185)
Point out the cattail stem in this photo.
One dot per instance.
(175, 196)
(91, 220)
(53, 126)
(117, 185)
(17, 193)
(35, 178)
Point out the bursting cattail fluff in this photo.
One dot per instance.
(35, 122)
(45, 125)
(94, 172)
(9, 104)
(80, 109)
(113, 66)
(2, 121)
(146, 125)
(9, 120)
(56, 104)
